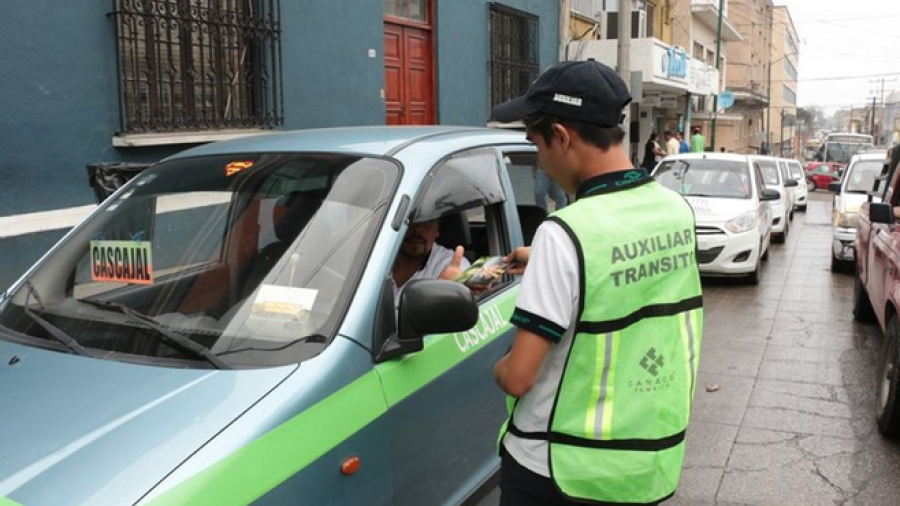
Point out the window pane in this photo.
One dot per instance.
(411, 9)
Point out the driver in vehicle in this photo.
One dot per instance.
(422, 258)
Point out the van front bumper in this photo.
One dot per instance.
(842, 244)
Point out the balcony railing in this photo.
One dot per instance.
(711, 3)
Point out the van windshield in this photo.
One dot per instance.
(253, 257)
(862, 174)
(706, 178)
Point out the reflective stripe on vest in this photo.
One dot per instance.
(616, 432)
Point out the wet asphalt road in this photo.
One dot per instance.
(792, 422)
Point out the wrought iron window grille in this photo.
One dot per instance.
(515, 52)
(198, 65)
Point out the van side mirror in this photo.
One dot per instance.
(429, 306)
(834, 186)
(879, 212)
(768, 195)
(791, 183)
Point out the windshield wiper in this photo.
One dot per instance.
(181, 342)
(54, 331)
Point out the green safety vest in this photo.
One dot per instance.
(617, 427)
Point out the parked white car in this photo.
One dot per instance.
(732, 208)
(794, 170)
(850, 193)
(783, 208)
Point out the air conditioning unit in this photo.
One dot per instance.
(611, 21)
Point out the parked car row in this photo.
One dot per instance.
(742, 203)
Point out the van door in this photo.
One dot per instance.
(445, 411)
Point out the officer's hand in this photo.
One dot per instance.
(453, 269)
(519, 258)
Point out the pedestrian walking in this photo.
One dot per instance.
(682, 144)
(652, 153)
(698, 141)
(672, 146)
(609, 318)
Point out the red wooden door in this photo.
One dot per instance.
(408, 76)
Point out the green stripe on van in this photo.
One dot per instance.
(8, 502)
(260, 466)
(263, 464)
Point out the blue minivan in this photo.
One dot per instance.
(223, 330)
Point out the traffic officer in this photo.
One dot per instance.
(603, 367)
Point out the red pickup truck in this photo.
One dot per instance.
(876, 293)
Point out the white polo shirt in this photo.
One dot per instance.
(548, 300)
(438, 260)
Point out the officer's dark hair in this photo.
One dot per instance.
(601, 137)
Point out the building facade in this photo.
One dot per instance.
(742, 127)
(128, 81)
(674, 84)
(785, 59)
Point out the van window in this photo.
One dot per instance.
(526, 180)
(465, 193)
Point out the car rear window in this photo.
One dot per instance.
(769, 171)
(706, 178)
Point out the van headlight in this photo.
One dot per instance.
(846, 219)
(743, 223)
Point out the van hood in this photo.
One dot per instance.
(850, 202)
(79, 431)
(713, 211)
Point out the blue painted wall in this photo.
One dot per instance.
(463, 55)
(59, 92)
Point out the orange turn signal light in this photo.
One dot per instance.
(351, 465)
(235, 167)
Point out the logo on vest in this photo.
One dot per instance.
(654, 363)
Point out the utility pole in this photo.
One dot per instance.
(769, 86)
(872, 127)
(718, 67)
(781, 148)
(624, 58)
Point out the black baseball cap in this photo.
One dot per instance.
(585, 91)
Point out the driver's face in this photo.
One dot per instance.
(419, 239)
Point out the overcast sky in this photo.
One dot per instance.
(845, 38)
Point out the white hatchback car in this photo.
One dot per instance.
(850, 193)
(794, 170)
(783, 208)
(731, 204)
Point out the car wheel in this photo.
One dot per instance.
(753, 277)
(765, 255)
(811, 186)
(862, 306)
(889, 381)
(802, 208)
(836, 265)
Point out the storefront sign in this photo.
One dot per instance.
(676, 63)
(671, 65)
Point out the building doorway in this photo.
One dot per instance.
(409, 62)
